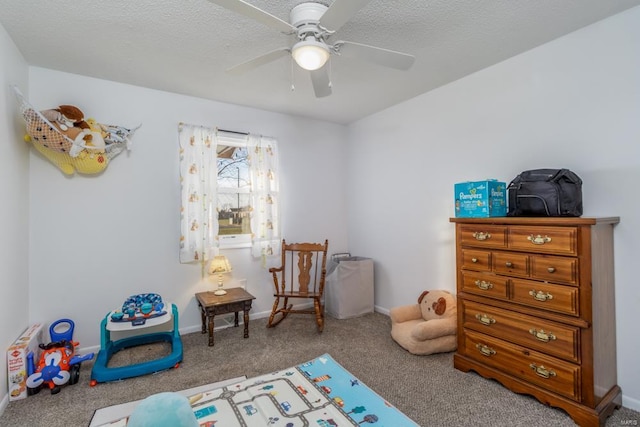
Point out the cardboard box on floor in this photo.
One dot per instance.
(17, 353)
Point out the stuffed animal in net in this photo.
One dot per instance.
(69, 141)
(67, 120)
(426, 327)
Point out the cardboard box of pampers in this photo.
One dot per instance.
(17, 360)
(480, 199)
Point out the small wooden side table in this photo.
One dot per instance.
(235, 300)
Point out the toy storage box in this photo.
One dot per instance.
(480, 199)
(17, 360)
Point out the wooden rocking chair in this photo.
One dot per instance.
(301, 275)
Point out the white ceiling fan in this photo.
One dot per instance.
(314, 24)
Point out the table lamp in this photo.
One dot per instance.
(220, 264)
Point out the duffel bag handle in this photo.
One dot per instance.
(567, 175)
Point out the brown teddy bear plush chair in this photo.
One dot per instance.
(426, 327)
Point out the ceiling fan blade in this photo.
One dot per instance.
(377, 55)
(260, 60)
(340, 12)
(321, 82)
(250, 11)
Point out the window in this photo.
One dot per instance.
(234, 193)
(229, 193)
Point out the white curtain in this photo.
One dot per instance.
(198, 181)
(265, 197)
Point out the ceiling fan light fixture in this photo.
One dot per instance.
(310, 54)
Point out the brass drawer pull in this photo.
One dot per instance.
(485, 350)
(541, 335)
(481, 235)
(541, 371)
(485, 320)
(485, 286)
(539, 240)
(551, 269)
(540, 296)
(474, 260)
(509, 264)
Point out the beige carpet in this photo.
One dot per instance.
(426, 388)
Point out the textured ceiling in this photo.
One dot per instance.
(185, 46)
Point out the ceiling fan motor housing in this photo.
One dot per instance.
(305, 17)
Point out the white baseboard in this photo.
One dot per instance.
(381, 310)
(630, 403)
(3, 404)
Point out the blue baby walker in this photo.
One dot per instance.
(138, 312)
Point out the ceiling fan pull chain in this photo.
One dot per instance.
(293, 87)
(330, 73)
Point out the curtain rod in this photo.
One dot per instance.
(233, 131)
(219, 130)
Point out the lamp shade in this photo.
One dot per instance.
(310, 54)
(220, 264)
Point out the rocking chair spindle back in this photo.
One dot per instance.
(301, 275)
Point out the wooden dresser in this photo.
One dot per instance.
(536, 309)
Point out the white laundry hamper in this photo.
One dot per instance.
(349, 286)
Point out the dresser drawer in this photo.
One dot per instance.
(547, 296)
(511, 263)
(555, 269)
(488, 285)
(556, 240)
(548, 337)
(536, 368)
(476, 260)
(487, 236)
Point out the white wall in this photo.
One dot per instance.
(572, 103)
(95, 240)
(14, 206)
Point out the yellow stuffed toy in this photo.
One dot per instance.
(85, 162)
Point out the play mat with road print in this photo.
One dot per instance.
(318, 393)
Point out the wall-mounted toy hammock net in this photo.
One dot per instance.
(71, 143)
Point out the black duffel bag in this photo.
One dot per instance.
(545, 192)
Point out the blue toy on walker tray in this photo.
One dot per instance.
(58, 364)
(137, 313)
(137, 308)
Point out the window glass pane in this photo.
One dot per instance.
(233, 170)
(233, 214)
(233, 191)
